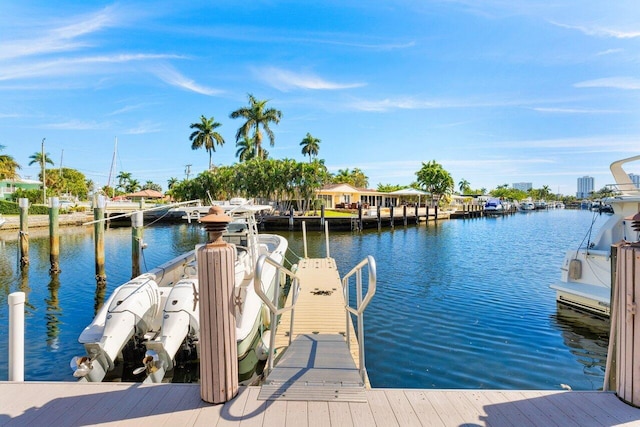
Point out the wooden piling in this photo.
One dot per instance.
(291, 219)
(54, 236)
(391, 216)
(98, 233)
(137, 231)
(404, 214)
(322, 216)
(379, 215)
(435, 209)
(218, 346)
(359, 216)
(427, 214)
(624, 376)
(24, 232)
(417, 219)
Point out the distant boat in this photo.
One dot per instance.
(527, 205)
(493, 206)
(585, 282)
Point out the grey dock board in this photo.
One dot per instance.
(315, 367)
(56, 403)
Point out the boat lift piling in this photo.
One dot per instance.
(23, 203)
(391, 216)
(98, 233)
(137, 230)
(404, 215)
(379, 217)
(218, 345)
(54, 236)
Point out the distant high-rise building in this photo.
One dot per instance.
(523, 186)
(585, 187)
(635, 179)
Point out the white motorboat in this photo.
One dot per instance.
(153, 319)
(527, 205)
(585, 282)
(493, 206)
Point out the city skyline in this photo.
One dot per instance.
(495, 92)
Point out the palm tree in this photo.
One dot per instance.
(206, 136)
(171, 182)
(42, 161)
(343, 177)
(310, 146)
(464, 186)
(246, 149)
(8, 166)
(257, 116)
(132, 186)
(123, 180)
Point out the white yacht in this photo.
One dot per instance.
(585, 282)
(154, 318)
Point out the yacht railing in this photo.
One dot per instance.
(273, 304)
(361, 304)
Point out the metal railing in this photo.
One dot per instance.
(273, 304)
(361, 304)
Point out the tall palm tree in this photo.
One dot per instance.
(257, 116)
(310, 146)
(38, 158)
(8, 166)
(206, 136)
(133, 186)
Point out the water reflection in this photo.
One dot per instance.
(53, 312)
(587, 338)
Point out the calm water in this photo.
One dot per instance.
(460, 304)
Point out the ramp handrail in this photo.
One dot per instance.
(361, 304)
(273, 305)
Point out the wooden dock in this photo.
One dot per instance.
(126, 404)
(320, 313)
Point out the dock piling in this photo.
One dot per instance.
(137, 231)
(16, 336)
(98, 233)
(218, 345)
(54, 236)
(24, 232)
(391, 216)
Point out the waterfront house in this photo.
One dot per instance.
(9, 186)
(337, 196)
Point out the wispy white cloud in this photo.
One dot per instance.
(609, 52)
(560, 110)
(77, 125)
(143, 128)
(626, 83)
(171, 76)
(73, 66)
(59, 39)
(286, 80)
(600, 31)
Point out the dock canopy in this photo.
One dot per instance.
(409, 192)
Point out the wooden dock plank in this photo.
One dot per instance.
(425, 411)
(42, 404)
(319, 414)
(402, 408)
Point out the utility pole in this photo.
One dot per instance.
(44, 179)
(187, 171)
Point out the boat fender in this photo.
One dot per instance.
(575, 269)
(266, 316)
(262, 349)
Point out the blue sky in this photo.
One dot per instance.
(496, 91)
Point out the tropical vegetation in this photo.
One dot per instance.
(434, 179)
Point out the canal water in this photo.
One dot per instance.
(459, 304)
